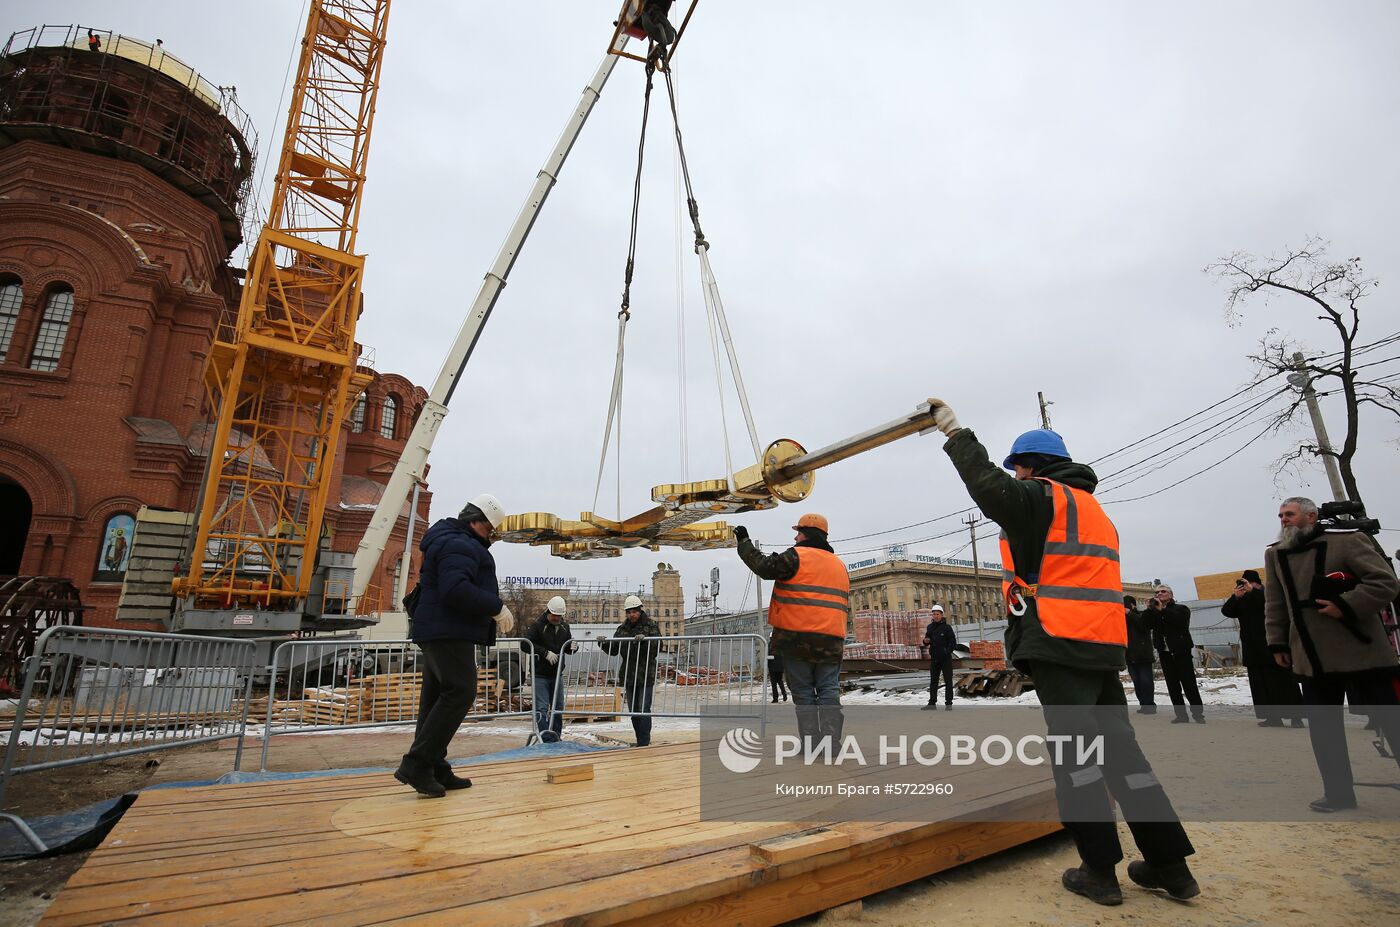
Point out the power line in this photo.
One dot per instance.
(1267, 429)
(1227, 419)
(917, 524)
(1188, 418)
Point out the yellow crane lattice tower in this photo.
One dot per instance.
(283, 376)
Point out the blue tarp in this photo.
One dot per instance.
(60, 829)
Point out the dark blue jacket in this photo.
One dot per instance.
(459, 599)
(941, 641)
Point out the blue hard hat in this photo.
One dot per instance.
(1040, 441)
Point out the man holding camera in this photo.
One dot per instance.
(1322, 611)
(1274, 690)
(1171, 633)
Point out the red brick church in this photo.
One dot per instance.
(123, 181)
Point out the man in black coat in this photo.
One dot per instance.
(940, 639)
(1140, 656)
(1275, 692)
(459, 608)
(1171, 633)
(776, 681)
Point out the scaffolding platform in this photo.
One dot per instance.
(624, 847)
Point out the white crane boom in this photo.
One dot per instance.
(409, 471)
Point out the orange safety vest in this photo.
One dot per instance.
(1079, 593)
(816, 599)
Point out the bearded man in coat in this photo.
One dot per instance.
(1322, 612)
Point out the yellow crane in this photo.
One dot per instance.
(282, 375)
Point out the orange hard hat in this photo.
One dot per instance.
(812, 520)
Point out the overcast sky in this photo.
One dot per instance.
(966, 200)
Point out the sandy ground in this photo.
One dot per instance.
(1272, 875)
(1312, 874)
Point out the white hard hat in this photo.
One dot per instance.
(556, 606)
(490, 507)
(937, 608)
(631, 602)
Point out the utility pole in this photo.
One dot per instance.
(1044, 411)
(1324, 447)
(972, 522)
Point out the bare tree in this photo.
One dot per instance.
(1335, 290)
(525, 603)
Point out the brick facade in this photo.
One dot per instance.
(119, 422)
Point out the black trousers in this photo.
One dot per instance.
(449, 688)
(1179, 671)
(1323, 695)
(1274, 691)
(1143, 687)
(944, 669)
(638, 694)
(777, 683)
(1082, 790)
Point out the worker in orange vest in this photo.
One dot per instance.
(808, 611)
(1066, 629)
(94, 43)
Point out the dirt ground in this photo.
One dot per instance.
(1272, 875)
(1280, 875)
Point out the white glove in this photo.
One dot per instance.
(552, 657)
(943, 418)
(505, 621)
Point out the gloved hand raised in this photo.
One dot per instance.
(741, 533)
(505, 621)
(552, 657)
(943, 418)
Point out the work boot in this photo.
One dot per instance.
(1271, 722)
(931, 706)
(450, 781)
(1174, 878)
(1098, 885)
(1297, 722)
(1329, 805)
(1200, 719)
(948, 706)
(421, 781)
(1181, 719)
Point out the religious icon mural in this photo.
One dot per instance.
(116, 549)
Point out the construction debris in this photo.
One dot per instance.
(1003, 683)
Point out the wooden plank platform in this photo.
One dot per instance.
(627, 847)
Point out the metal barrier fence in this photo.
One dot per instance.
(715, 676)
(344, 684)
(93, 694)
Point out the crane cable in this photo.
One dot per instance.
(714, 305)
(624, 314)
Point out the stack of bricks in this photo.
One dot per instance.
(991, 653)
(898, 629)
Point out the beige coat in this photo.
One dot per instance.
(1337, 648)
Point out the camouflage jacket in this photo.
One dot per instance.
(638, 657)
(806, 646)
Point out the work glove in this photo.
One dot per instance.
(943, 418)
(741, 533)
(505, 621)
(552, 657)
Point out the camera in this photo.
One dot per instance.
(1347, 515)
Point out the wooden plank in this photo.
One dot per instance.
(359, 849)
(560, 774)
(799, 846)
